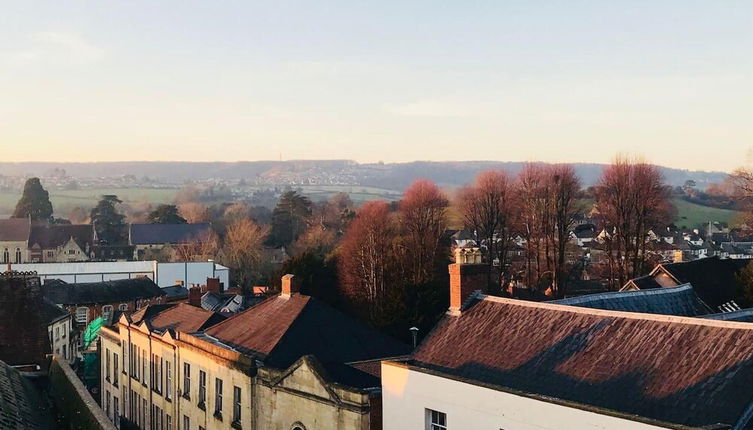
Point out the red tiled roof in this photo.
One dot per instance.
(179, 317)
(679, 370)
(261, 327)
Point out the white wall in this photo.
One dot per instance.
(163, 274)
(406, 394)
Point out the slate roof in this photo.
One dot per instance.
(179, 317)
(22, 404)
(713, 278)
(743, 315)
(280, 330)
(52, 312)
(123, 290)
(684, 371)
(217, 302)
(52, 236)
(175, 292)
(14, 229)
(161, 234)
(680, 301)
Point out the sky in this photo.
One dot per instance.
(393, 81)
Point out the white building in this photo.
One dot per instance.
(163, 274)
(495, 363)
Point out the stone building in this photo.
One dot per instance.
(14, 240)
(290, 362)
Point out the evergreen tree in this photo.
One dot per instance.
(108, 222)
(290, 218)
(34, 203)
(166, 214)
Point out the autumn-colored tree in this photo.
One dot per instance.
(244, 248)
(423, 213)
(632, 199)
(367, 264)
(488, 209)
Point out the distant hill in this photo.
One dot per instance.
(395, 176)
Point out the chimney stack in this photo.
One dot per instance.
(290, 285)
(467, 275)
(194, 296)
(213, 285)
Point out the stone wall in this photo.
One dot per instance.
(73, 401)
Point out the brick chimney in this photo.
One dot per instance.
(467, 275)
(194, 296)
(290, 285)
(213, 285)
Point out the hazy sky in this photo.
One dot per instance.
(379, 80)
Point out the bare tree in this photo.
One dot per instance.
(203, 247)
(244, 247)
(194, 212)
(487, 208)
(423, 213)
(632, 199)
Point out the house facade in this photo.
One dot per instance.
(14, 240)
(483, 366)
(61, 243)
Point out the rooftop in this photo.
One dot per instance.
(679, 370)
(14, 229)
(281, 330)
(52, 236)
(122, 290)
(681, 301)
(179, 317)
(146, 234)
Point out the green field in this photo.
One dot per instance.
(65, 200)
(691, 215)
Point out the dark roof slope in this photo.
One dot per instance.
(281, 330)
(680, 301)
(52, 236)
(685, 371)
(645, 282)
(713, 278)
(52, 312)
(22, 404)
(145, 234)
(122, 290)
(15, 229)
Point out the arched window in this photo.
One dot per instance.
(18, 255)
(298, 426)
(123, 307)
(6, 256)
(82, 315)
(106, 311)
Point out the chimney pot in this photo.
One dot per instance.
(465, 279)
(194, 296)
(213, 285)
(290, 285)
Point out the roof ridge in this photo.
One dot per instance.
(608, 294)
(620, 314)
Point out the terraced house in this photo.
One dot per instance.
(289, 362)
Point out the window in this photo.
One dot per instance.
(169, 422)
(107, 364)
(186, 380)
(186, 423)
(107, 403)
(65, 353)
(106, 312)
(50, 254)
(143, 413)
(116, 411)
(436, 420)
(18, 255)
(202, 387)
(143, 366)
(123, 307)
(6, 256)
(217, 396)
(65, 329)
(168, 379)
(82, 315)
(237, 404)
(71, 252)
(57, 333)
(115, 364)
